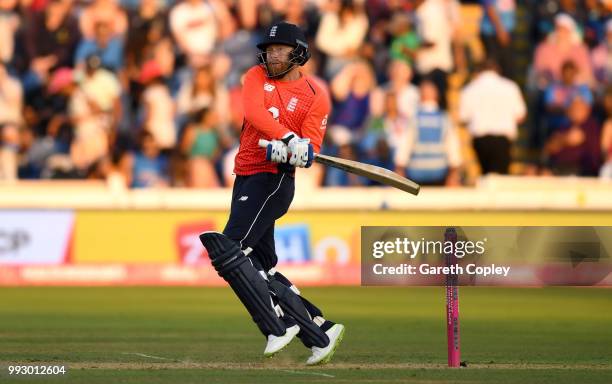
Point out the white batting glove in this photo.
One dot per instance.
(277, 151)
(301, 150)
(301, 153)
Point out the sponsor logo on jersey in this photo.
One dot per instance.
(268, 87)
(324, 122)
(292, 104)
(275, 113)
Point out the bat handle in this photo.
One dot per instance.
(263, 143)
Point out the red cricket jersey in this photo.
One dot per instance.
(273, 108)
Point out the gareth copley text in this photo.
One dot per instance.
(426, 269)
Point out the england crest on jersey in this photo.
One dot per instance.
(292, 104)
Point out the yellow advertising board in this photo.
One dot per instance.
(161, 247)
(135, 237)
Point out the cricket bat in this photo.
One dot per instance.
(372, 172)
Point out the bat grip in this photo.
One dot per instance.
(263, 143)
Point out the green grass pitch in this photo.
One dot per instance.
(393, 335)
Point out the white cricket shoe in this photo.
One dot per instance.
(324, 355)
(276, 343)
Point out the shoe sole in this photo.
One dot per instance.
(272, 354)
(329, 356)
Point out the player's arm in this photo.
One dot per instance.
(302, 150)
(255, 111)
(315, 124)
(312, 131)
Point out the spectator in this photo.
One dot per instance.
(158, 107)
(595, 23)
(9, 146)
(105, 45)
(45, 111)
(11, 95)
(147, 26)
(46, 141)
(203, 91)
(194, 26)
(405, 42)
(561, 45)
(377, 153)
(51, 37)
(240, 46)
(148, 39)
(150, 13)
(201, 144)
(429, 151)
(341, 32)
(148, 167)
(395, 124)
(368, 56)
(310, 69)
(11, 98)
(559, 95)
(496, 29)
(400, 76)
(575, 148)
(351, 90)
(469, 47)
(337, 178)
(247, 13)
(33, 5)
(392, 105)
(11, 105)
(437, 22)
(375, 48)
(34, 154)
(95, 110)
(545, 11)
(9, 23)
(606, 135)
(492, 106)
(298, 12)
(602, 58)
(606, 148)
(52, 126)
(107, 12)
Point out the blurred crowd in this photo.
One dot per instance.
(148, 93)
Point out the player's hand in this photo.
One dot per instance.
(302, 152)
(277, 151)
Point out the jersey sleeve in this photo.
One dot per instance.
(255, 111)
(315, 124)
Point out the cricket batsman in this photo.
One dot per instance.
(288, 109)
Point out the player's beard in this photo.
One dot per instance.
(277, 67)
